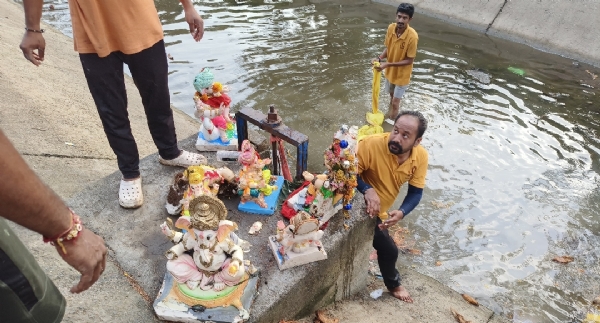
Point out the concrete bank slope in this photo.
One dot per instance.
(49, 115)
(567, 28)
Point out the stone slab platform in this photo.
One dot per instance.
(134, 237)
(167, 309)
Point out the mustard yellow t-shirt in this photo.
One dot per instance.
(106, 26)
(398, 49)
(378, 167)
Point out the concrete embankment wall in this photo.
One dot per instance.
(567, 27)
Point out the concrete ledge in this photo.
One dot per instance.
(566, 28)
(138, 246)
(472, 14)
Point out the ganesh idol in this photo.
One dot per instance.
(212, 108)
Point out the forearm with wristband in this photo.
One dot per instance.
(68, 236)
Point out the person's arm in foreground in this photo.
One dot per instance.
(25, 200)
(193, 19)
(33, 40)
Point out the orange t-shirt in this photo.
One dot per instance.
(378, 167)
(106, 26)
(399, 49)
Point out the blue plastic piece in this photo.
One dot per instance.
(348, 206)
(343, 144)
(271, 200)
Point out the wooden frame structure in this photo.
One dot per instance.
(279, 130)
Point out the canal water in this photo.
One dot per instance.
(514, 138)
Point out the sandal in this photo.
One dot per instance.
(130, 194)
(186, 159)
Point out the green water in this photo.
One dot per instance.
(513, 138)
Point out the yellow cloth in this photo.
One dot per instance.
(375, 88)
(105, 26)
(378, 167)
(398, 49)
(374, 118)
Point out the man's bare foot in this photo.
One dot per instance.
(402, 294)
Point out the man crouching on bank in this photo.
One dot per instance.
(385, 162)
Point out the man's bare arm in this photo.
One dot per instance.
(25, 200)
(193, 19)
(33, 44)
(403, 62)
(33, 13)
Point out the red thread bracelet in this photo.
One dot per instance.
(47, 239)
(70, 235)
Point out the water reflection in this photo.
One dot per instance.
(513, 177)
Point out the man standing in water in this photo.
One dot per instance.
(385, 162)
(108, 34)
(400, 51)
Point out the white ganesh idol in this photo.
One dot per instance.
(215, 274)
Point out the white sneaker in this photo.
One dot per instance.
(186, 159)
(130, 194)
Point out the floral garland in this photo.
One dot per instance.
(342, 165)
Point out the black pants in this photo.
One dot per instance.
(387, 254)
(106, 81)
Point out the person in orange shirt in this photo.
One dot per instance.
(385, 162)
(400, 51)
(108, 34)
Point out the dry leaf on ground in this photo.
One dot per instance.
(470, 299)
(459, 318)
(322, 318)
(438, 263)
(563, 259)
(413, 251)
(594, 76)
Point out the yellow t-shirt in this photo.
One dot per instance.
(378, 167)
(398, 49)
(106, 26)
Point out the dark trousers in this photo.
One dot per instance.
(387, 254)
(106, 81)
